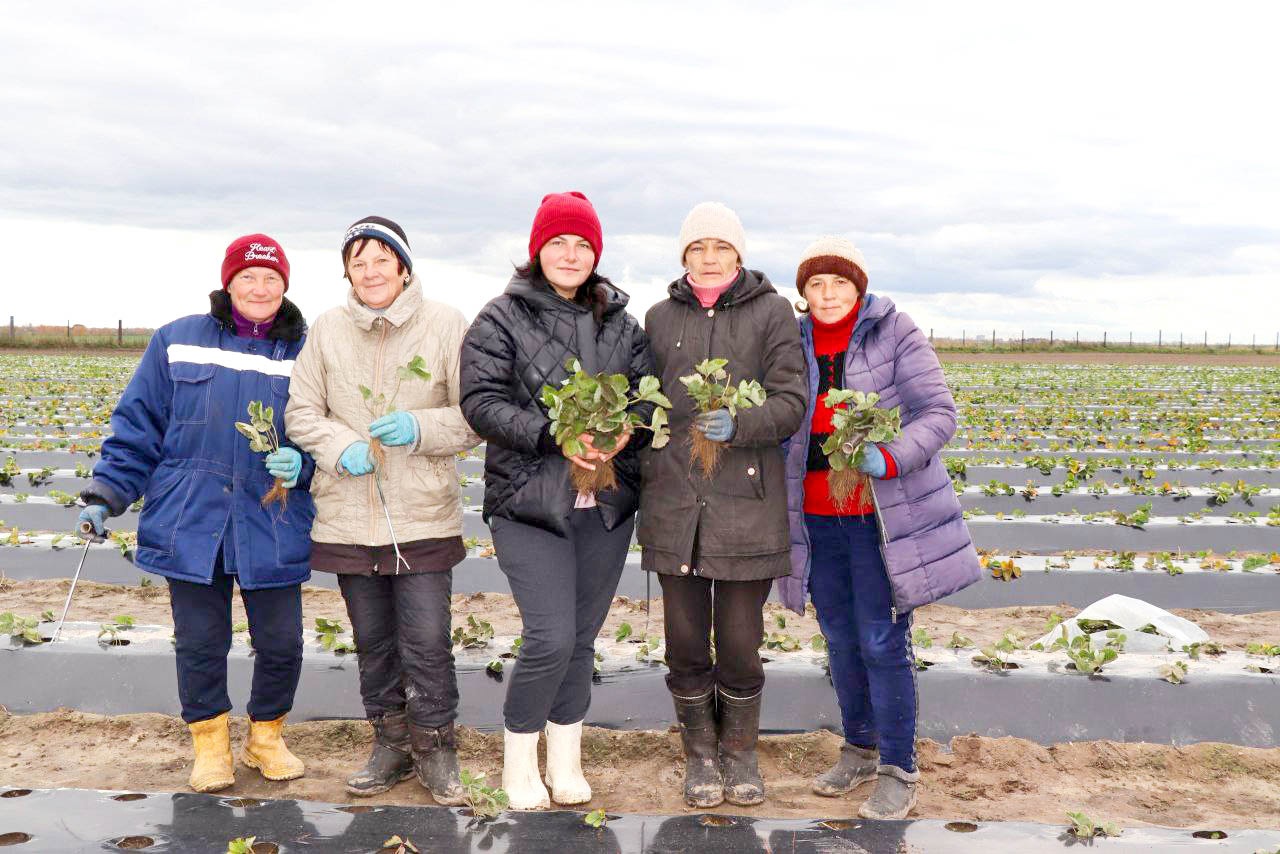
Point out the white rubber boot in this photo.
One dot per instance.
(520, 777)
(564, 764)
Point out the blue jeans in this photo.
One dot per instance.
(872, 666)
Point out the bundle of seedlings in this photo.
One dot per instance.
(856, 422)
(712, 388)
(601, 406)
(379, 404)
(263, 439)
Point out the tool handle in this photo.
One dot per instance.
(85, 530)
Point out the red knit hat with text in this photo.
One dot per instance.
(254, 250)
(565, 213)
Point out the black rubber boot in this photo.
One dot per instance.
(703, 786)
(739, 732)
(435, 759)
(391, 760)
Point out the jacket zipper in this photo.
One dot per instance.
(377, 389)
(710, 334)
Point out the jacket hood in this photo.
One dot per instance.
(873, 310)
(397, 314)
(538, 291)
(749, 285)
(289, 324)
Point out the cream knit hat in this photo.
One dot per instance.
(832, 255)
(715, 221)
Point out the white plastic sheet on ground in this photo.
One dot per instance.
(1131, 615)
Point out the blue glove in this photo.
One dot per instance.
(395, 428)
(355, 459)
(872, 461)
(717, 426)
(285, 464)
(95, 515)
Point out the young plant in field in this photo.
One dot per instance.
(712, 388)
(327, 632)
(1174, 673)
(1083, 827)
(856, 420)
(24, 629)
(623, 632)
(9, 471)
(476, 634)
(920, 637)
(1086, 659)
(959, 641)
(596, 818)
(398, 845)
(260, 430)
(485, 801)
(599, 405)
(241, 845)
(36, 478)
(379, 404)
(63, 499)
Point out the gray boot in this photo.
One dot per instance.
(391, 760)
(703, 786)
(739, 733)
(855, 765)
(894, 794)
(435, 759)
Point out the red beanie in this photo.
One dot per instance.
(565, 213)
(254, 250)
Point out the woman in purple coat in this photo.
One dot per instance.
(869, 561)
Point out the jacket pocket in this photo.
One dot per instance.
(166, 496)
(191, 389)
(740, 474)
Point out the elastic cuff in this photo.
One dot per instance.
(98, 492)
(890, 464)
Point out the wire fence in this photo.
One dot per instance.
(1160, 340)
(75, 335)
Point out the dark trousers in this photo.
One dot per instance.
(692, 607)
(563, 587)
(202, 635)
(401, 628)
(872, 664)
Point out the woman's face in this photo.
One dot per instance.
(711, 262)
(256, 292)
(376, 274)
(830, 297)
(567, 261)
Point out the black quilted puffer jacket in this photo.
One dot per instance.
(519, 342)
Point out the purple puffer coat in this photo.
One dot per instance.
(926, 545)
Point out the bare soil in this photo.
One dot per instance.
(1210, 786)
(1094, 357)
(96, 602)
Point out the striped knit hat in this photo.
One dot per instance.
(836, 256)
(380, 228)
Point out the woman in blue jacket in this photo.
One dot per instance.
(203, 524)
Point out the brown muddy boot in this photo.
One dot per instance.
(703, 785)
(435, 759)
(739, 733)
(391, 760)
(265, 750)
(856, 765)
(894, 794)
(214, 768)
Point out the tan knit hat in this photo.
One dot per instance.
(715, 221)
(833, 255)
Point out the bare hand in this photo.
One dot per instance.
(622, 443)
(580, 460)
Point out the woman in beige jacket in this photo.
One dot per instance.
(389, 519)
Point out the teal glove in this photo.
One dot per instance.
(872, 461)
(395, 428)
(285, 464)
(717, 426)
(96, 516)
(355, 459)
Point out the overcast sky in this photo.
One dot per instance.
(1083, 166)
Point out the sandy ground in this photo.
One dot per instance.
(1095, 357)
(972, 778)
(95, 602)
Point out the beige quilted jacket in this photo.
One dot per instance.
(350, 346)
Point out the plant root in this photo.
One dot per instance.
(377, 454)
(600, 480)
(705, 452)
(844, 485)
(277, 495)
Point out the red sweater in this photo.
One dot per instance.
(830, 342)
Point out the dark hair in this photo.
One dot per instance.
(589, 294)
(357, 246)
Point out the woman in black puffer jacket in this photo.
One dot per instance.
(562, 551)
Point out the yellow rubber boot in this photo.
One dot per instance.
(214, 768)
(265, 750)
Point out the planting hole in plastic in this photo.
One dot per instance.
(14, 838)
(1209, 834)
(839, 824)
(132, 796)
(715, 821)
(133, 843)
(961, 826)
(115, 642)
(243, 803)
(358, 809)
(15, 793)
(265, 848)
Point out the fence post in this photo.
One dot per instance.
(1159, 338)
(11, 332)
(1104, 339)
(961, 337)
(1206, 339)
(993, 339)
(1050, 339)
(1077, 337)
(1130, 340)
(1023, 346)
(119, 333)
(68, 330)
